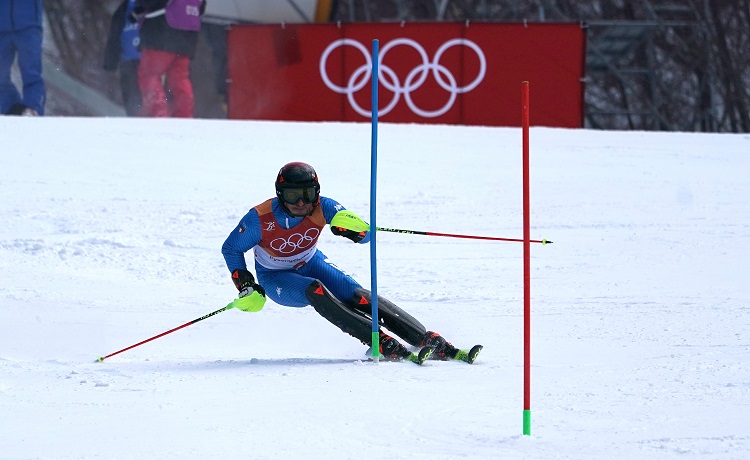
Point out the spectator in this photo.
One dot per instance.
(122, 51)
(21, 35)
(169, 37)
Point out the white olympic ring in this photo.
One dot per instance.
(414, 79)
(294, 242)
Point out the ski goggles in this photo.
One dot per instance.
(293, 195)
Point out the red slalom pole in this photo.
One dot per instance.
(526, 263)
(231, 305)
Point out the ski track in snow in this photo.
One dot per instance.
(640, 307)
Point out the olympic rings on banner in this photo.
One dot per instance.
(295, 241)
(413, 81)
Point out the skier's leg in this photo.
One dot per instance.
(354, 296)
(292, 288)
(332, 284)
(287, 287)
(391, 316)
(284, 287)
(341, 285)
(351, 321)
(404, 325)
(331, 308)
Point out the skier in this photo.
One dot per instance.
(284, 231)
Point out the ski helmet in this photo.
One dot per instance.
(298, 175)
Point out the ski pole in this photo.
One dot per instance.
(352, 221)
(102, 358)
(454, 235)
(252, 302)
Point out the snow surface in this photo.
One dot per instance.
(111, 229)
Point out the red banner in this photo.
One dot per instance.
(449, 73)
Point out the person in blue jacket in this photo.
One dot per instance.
(283, 233)
(121, 51)
(21, 35)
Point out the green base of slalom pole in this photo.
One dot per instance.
(376, 346)
(527, 422)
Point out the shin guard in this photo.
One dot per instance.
(390, 316)
(342, 316)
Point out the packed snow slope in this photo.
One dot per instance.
(111, 230)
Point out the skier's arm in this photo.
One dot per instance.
(330, 207)
(243, 238)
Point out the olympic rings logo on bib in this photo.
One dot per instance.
(413, 81)
(295, 241)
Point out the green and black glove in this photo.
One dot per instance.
(252, 294)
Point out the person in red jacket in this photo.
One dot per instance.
(169, 37)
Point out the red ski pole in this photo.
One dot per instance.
(351, 221)
(250, 303)
(231, 305)
(454, 235)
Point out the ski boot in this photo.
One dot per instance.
(445, 351)
(392, 349)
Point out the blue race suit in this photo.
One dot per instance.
(286, 256)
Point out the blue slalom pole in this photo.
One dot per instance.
(373, 205)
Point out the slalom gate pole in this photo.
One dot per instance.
(230, 306)
(373, 205)
(526, 263)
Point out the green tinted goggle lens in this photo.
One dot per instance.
(293, 195)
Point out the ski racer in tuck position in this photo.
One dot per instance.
(283, 232)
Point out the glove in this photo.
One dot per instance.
(136, 14)
(245, 283)
(346, 233)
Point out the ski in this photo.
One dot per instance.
(421, 356)
(468, 356)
